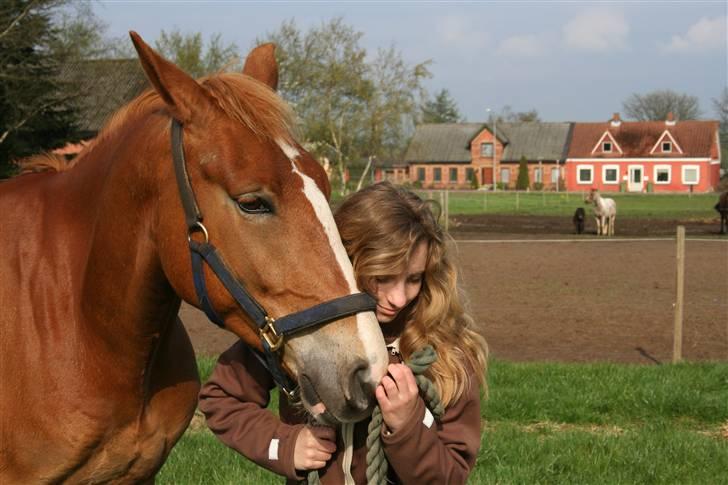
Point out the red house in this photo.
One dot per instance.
(642, 156)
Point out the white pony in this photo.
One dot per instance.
(605, 212)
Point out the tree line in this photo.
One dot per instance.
(354, 107)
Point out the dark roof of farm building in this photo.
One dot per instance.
(535, 140)
(450, 142)
(101, 86)
(637, 138)
(444, 142)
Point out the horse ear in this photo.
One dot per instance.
(179, 91)
(261, 65)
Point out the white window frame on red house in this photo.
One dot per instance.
(579, 168)
(484, 151)
(555, 175)
(662, 140)
(658, 168)
(604, 174)
(607, 138)
(686, 167)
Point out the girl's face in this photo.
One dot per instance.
(394, 292)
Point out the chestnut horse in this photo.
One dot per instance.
(98, 375)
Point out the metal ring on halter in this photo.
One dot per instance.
(198, 227)
(271, 336)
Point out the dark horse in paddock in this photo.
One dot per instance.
(98, 375)
(578, 220)
(722, 208)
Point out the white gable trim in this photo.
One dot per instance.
(672, 140)
(611, 139)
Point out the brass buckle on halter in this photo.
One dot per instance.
(269, 334)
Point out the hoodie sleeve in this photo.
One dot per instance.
(234, 401)
(427, 451)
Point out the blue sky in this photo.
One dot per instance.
(571, 61)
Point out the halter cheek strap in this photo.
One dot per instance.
(272, 331)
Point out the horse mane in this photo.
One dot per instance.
(241, 97)
(44, 162)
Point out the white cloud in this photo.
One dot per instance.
(522, 45)
(462, 32)
(705, 34)
(597, 30)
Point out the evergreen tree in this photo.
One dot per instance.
(35, 115)
(523, 181)
(442, 109)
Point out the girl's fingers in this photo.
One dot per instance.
(382, 399)
(389, 386)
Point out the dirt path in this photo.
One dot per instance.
(577, 302)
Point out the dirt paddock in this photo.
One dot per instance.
(540, 293)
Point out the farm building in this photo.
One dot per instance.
(451, 155)
(640, 156)
(637, 156)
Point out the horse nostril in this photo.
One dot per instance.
(360, 393)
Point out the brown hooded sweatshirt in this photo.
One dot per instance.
(423, 451)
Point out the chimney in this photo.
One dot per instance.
(670, 121)
(616, 121)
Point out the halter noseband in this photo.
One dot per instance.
(272, 331)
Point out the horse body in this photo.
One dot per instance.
(605, 213)
(99, 378)
(722, 208)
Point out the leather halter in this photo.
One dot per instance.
(272, 331)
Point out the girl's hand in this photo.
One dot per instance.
(314, 446)
(397, 396)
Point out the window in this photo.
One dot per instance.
(486, 149)
(421, 174)
(505, 175)
(666, 146)
(610, 174)
(690, 174)
(469, 174)
(554, 175)
(538, 175)
(585, 174)
(453, 175)
(438, 174)
(662, 174)
(607, 146)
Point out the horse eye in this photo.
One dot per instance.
(253, 205)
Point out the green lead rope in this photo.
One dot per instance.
(377, 464)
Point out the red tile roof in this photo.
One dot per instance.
(697, 139)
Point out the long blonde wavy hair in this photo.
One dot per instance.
(380, 226)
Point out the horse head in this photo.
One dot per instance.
(265, 206)
(592, 197)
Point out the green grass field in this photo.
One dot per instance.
(556, 423)
(669, 206)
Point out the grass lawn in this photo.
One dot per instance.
(669, 206)
(556, 423)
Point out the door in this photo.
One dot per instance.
(636, 178)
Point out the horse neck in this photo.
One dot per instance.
(126, 298)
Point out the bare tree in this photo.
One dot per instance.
(657, 104)
(720, 104)
(350, 109)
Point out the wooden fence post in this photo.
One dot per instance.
(447, 209)
(680, 287)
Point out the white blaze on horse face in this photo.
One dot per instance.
(367, 325)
